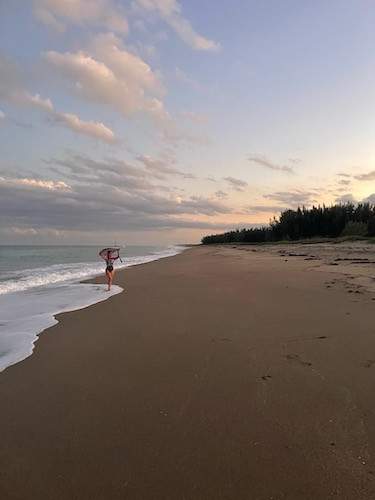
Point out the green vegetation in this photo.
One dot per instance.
(343, 220)
(354, 228)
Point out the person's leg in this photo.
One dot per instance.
(109, 280)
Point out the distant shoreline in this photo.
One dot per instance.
(306, 241)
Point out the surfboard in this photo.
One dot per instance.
(112, 253)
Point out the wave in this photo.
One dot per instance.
(26, 314)
(25, 279)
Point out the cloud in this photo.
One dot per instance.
(293, 198)
(152, 175)
(112, 76)
(370, 176)
(12, 91)
(370, 199)
(221, 195)
(341, 174)
(159, 167)
(344, 182)
(57, 14)
(170, 12)
(24, 231)
(273, 209)
(2, 115)
(96, 130)
(262, 161)
(93, 129)
(346, 198)
(236, 184)
(23, 97)
(85, 202)
(99, 173)
(35, 183)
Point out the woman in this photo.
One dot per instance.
(109, 270)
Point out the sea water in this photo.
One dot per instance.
(38, 282)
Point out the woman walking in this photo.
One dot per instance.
(109, 270)
(109, 255)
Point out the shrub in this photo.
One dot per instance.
(353, 228)
(371, 226)
(346, 219)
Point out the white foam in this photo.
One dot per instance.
(25, 314)
(26, 279)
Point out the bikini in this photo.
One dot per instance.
(109, 267)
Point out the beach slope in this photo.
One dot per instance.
(220, 373)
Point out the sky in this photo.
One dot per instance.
(161, 121)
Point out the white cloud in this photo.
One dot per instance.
(58, 13)
(170, 12)
(97, 130)
(23, 97)
(12, 91)
(112, 76)
(94, 129)
(48, 185)
(24, 231)
(2, 115)
(126, 65)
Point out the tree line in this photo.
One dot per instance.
(347, 219)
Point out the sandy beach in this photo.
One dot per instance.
(221, 373)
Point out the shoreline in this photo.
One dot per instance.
(27, 313)
(219, 374)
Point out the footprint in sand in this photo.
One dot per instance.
(368, 363)
(221, 339)
(296, 359)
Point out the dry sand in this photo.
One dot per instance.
(221, 373)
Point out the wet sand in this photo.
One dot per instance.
(221, 373)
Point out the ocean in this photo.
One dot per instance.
(38, 282)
